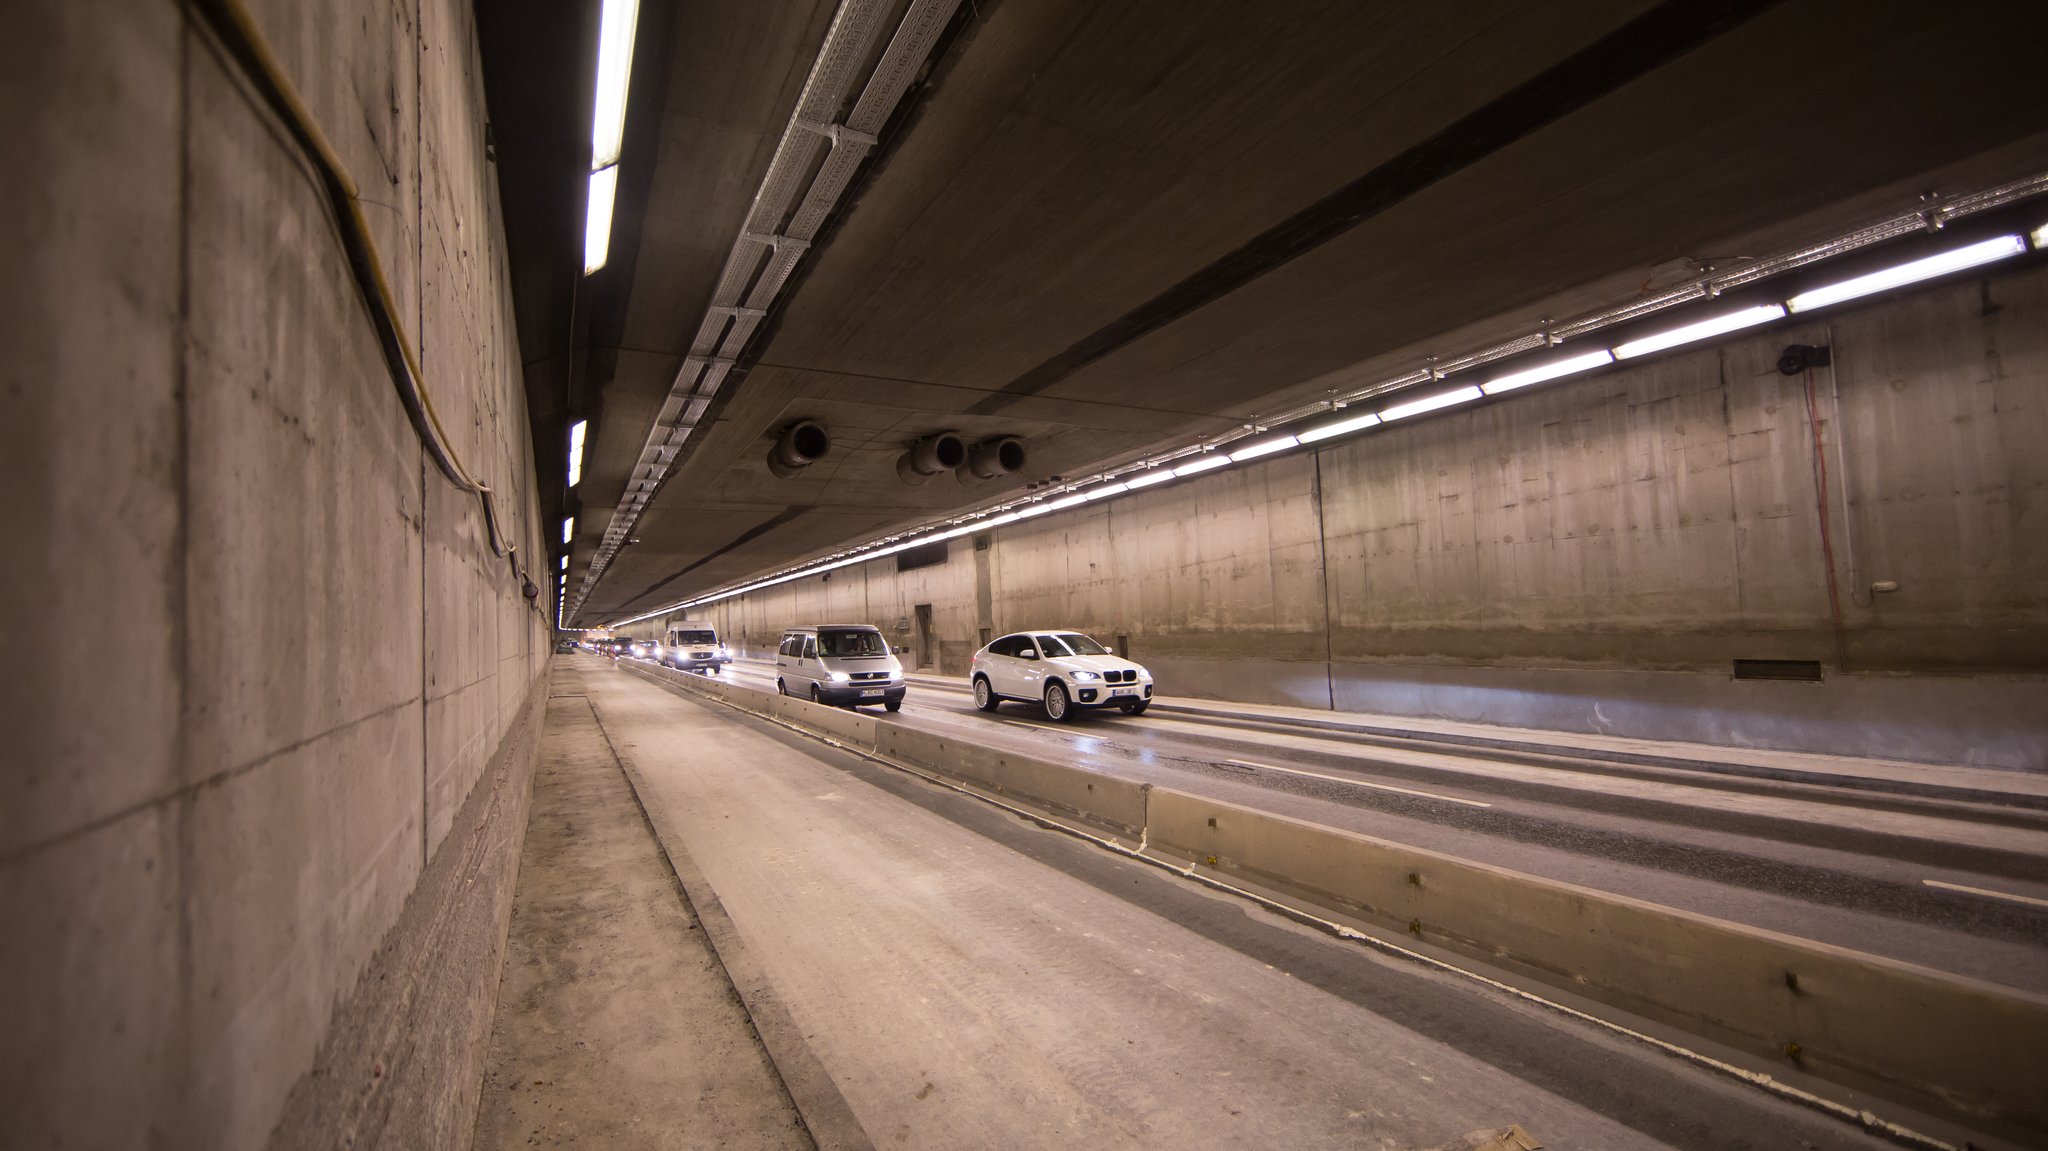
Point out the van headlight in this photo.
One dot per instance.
(840, 677)
(1085, 676)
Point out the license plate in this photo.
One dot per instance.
(1123, 691)
(872, 691)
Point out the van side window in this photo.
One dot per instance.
(788, 642)
(810, 647)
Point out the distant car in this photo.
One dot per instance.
(643, 649)
(1065, 671)
(564, 646)
(692, 646)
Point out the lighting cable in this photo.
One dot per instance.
(238, 34)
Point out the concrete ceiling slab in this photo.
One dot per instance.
(1110, 177)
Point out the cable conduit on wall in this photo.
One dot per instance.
(238, 34)
(762, 258)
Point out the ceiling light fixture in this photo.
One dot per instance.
(614, 70)
(1692, 333)
(608, 127)
(1101, 490)
(1556, 369)
(568, 529)
(1429, 404)
(1911, 272)
(1338, 428)
(1201, 464)
(2040, 237)
(1147, 478)
(1266, 447)
(597, 226)
(576, 452)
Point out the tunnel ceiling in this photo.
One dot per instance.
(1107, 228)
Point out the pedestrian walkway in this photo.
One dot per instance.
(617, 1026)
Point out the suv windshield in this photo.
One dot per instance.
(1072, 643)
(842, 643)
(683, 637)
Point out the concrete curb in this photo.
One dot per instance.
(1938, 1042)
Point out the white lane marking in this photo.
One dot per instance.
(1357, 782)
(1985, 891)
(1036, 727)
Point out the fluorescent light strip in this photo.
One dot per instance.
(576, 452)
(1147, 478)
(1267, 447)
(1550, 371)
(1068, 502)
(1338, 428)
(1202, 464)
(1101, 490)
(1911, 272)
(597, 227)
(614, 69)
(1029, 510)
(569, 530)
(565, 563)
(1705, 329)
(2040, 236)
(1429, 404)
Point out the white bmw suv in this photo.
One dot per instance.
(1064, 670)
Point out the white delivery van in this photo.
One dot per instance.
(692, 645)
(839, 663)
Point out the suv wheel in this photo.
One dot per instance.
(985, 696)
(1134, 706)
(780, 687)
(1057, 707)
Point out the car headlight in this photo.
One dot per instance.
(840, 677)
(1086, 675)
(1142, 673)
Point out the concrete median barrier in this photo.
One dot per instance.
(1943, 1042)
(1107, 804)
(846, 726)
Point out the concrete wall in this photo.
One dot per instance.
(263, 651)
(1593, 555)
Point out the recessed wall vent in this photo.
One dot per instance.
(921, 556)
(1795, 670)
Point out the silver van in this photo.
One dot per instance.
(839, 663)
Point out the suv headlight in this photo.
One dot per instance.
(840, 677)
(1086, 676)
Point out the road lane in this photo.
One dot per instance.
(1834, 865)
(972, 980)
